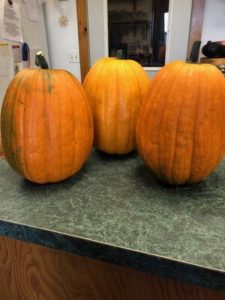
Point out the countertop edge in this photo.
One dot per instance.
(140, 261)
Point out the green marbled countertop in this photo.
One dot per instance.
(116, 202)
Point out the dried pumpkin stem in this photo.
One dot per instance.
(40, 61)
(119, 54)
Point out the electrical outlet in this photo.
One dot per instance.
(73, 56)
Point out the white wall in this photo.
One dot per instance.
(33, 33)
(180, 13)
(61, 40)
(214, 21)
(97, 30)
(179, 24)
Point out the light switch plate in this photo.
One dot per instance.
(73, 56)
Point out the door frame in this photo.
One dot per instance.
(83, 37)
(196, 24)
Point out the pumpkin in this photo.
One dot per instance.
(180, 129)
(115, 88)
(46, 125)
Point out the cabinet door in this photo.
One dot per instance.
(29, 271)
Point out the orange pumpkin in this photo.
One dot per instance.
(46, 125)
(115, 88)
(181, 125)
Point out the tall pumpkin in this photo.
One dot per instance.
(181, 126)
(46, 125)
(115, 88)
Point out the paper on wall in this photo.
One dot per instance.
(11, 21)
(17, 58)
(16, 51)
(4, 59)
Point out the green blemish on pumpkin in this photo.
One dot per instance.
(50, 88)
(17, 151)
(20, 101)
(48, 79)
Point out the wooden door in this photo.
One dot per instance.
(33, 272)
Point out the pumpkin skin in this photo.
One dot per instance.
(46, 125)
(180, 129)
(115, 88)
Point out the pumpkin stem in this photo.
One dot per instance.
(119, 54)
(40, 60)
